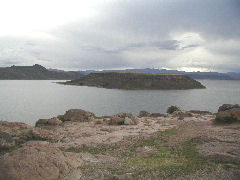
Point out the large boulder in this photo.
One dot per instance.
(53, 122)
(40, 160)
(78, 115)
(115, 120)
(225, 107)
(122, 119)
(6, 141)
(228, 116)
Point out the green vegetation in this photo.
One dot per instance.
(100, 149)
(8, 150)
(171, 160)
(189, 114)
(172, 109)
(144, 113)
(98, 121)
(162, 159)
(39, 123)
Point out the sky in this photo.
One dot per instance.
(190, 35)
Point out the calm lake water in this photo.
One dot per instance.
(28, 100)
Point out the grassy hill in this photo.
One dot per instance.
(115, 80)
(35, 72)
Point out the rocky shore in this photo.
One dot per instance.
(78, 145)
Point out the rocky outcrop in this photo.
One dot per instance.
(122, 119)
(181, 114)
(52, 122)
(40, 160)
(225, 107)
(132, 81)
(228, 113)
(78, 115)
(200, 112)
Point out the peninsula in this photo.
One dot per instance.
(132, 81)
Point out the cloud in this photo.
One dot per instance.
(136, 34)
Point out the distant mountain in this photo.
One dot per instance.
(194, 75)
(35, 72)
(39, 72)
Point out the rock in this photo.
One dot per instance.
(13, 128)
(143, 113)
(128, 121)
(40, 160)
(53, 122)
(78, 115)
(228, 116)
(6, 141)
(115, 120)
(121, 119)
(157, 115)
(225, 107)
(181, 114)
(200, 112)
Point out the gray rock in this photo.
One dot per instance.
(129, 121)
(225, 107)
(53, 122)
(228, 116)
(78, 115)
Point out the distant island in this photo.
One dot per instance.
(35, 72)
(131, 81)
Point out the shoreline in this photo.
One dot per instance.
(80, 145)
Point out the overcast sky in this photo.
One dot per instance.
(115, 34)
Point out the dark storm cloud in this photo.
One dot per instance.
(138, 34)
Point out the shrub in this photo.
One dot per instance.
(97, 121)
(172, 109)
(143, 113)
(189, 114)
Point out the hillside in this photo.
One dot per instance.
(35, 72)
(113, 80)
(194, 75)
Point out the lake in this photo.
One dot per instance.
(29, 100)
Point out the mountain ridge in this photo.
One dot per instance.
(35, 72)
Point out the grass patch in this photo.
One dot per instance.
(8, 150)
(169, 161)
(163, 161)
(100, 149)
